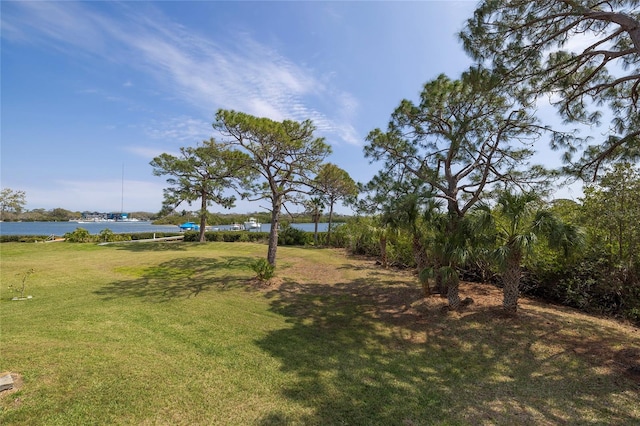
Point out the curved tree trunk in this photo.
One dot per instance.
(511, 282)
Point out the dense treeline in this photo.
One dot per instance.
(59, 215)
(231, 218)
(600, 275)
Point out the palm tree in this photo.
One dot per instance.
(518, 224)
(314, 207)
(403, 214)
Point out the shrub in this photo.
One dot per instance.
(107, 235)
(593, 284)
(192, 236)
(358, 236)
(22, 238)
(263, 269)
(290, 236)
(149, 235)
(80, 235)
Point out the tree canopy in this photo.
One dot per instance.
(464, 137)
(334, 184)
(285, 156)
(612, 207)
(583, 54)
(206, 173)
(11, 201)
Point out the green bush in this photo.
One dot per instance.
(80, 235)
(226, 236)
(593, 284)
(192, 236)
(150, 235)
(290, 236)
(107, 235)
(22, 238)
(359, 236)
(400, 251)
(263, 269)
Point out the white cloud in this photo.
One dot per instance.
(245, 75)
(181, 129)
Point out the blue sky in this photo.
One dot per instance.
(91, 89)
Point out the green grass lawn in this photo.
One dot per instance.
(180, 333)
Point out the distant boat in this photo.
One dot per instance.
(92, 220)
(189, 226)
(252, 223)
(236, 227)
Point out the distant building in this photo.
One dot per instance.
(98, 216)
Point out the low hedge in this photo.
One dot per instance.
(227, 236)
(290, 236)
(22, 238)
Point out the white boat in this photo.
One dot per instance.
(252, 223)
(236, 227)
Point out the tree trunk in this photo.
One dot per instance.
(316, 218)
(453, 296)
(383, 251)
(419, 253)
(329, 229)
(420, 257)
(273, 234)
(452, 281)
(511, 282)
(440, 284)
(203, 218)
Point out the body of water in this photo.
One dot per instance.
(61, 228)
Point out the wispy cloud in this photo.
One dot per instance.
(242, 74)
(180, 129)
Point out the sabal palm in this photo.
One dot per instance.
(448, 241)
(314, 206)
(519, 223)
(405, 214)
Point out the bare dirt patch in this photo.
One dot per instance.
(394, 296)
(18, 384)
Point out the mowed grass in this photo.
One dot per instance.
(180, 333)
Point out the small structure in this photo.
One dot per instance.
(252, 223)
(6, 382)
(189, 226)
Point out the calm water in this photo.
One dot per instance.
(61, 228)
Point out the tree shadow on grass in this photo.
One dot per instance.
(361, 353)
(151, 246)
(179, 278)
